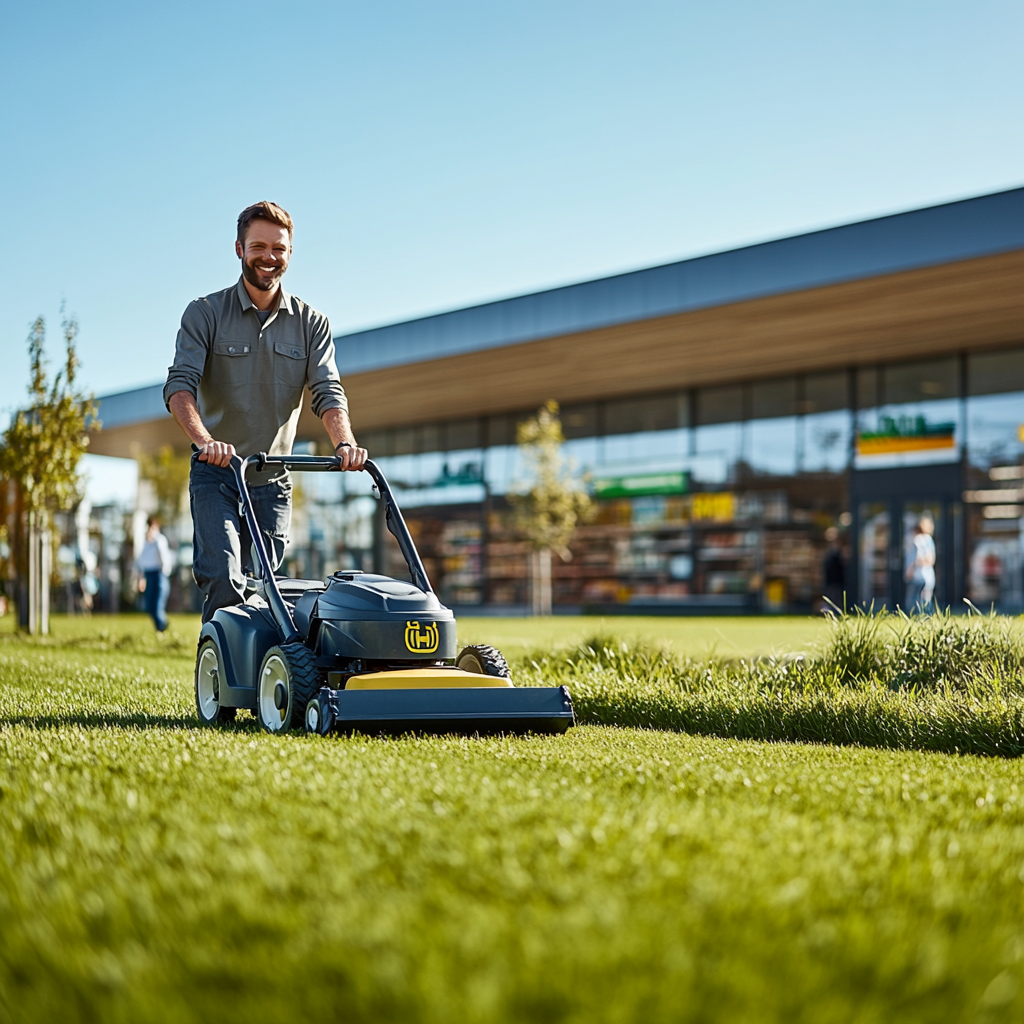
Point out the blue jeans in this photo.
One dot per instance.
(154, 600)
(222, 546)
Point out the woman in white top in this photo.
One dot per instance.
(154, 562)
(920, 574)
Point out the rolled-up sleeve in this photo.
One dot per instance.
(190, 351)
(322, 375)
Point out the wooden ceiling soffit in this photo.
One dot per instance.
(970, 304)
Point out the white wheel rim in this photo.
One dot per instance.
(313, 716)
(274, 671)
(471, 663)
(207, 682)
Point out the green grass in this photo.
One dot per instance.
(729, 637)
(154, 871)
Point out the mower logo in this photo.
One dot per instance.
(421, 641)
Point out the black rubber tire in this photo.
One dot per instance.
(484, 660)
(221, 715)
(303, 682)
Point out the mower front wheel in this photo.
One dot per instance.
(484, 660)
(209, 673)
(288, 680)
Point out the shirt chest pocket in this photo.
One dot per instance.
(233, 361)
(290, 363)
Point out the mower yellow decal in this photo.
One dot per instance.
(421, 641)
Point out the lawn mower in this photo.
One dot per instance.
(356, 651)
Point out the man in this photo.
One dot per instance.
(241, 360)
(834, 571)
(155, 564)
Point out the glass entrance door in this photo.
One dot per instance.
(874, 543)
(907, 553)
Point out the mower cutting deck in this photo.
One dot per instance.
(357, 651)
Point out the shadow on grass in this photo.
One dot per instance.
(133, 722)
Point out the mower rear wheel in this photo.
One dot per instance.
(209, 673)
(484, 660)
(288, 680)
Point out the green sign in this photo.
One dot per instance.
(639, 484)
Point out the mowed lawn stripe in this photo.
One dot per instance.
(154, 871)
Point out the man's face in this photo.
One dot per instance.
(265, 254)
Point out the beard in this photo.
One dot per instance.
(266, 282)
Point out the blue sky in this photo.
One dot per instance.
(439, 155)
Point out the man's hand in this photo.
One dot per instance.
(352, 458)
(217, 453)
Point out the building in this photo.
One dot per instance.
(728, 411)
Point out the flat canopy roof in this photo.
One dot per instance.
(544, 330)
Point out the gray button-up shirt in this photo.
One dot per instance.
(248, 377)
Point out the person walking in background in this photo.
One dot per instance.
(834, 570)
(154, 562)
(920, 571)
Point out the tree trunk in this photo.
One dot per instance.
(540, 581)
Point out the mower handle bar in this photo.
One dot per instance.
(322, 464)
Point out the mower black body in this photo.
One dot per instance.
(371, 629)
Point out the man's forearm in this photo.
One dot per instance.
(184, 409)
(337, 424)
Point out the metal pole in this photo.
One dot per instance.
(44, 577)
(33, 575)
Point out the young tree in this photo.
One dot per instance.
(40, 452)
(555, 503)
(168, 472)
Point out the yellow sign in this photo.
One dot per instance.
(421, 641)
(714, 507)
(1020, 433)
(883, 445)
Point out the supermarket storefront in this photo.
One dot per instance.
(739, 418)
(722, 498)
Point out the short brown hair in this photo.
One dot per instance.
(263, 211)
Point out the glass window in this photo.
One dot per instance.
(462, 434)
(994, 426)
(917, 382)
(772, 432)
(404, 441)
(501, 429)
(719, 405)
(991, 373)
(430, 438)
(917, 420)
(579, 420)
(718, 447)
(649, 450)
(376, 442)
(772, 398)
(772, 447)
(657, 412)
(825, 392)
(866, 383)
(826, 441)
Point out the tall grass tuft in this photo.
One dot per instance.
(943, 683)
